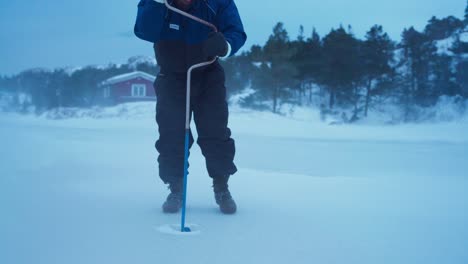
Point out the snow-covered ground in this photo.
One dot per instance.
(86, 190)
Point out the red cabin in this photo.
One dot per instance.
(129, 87)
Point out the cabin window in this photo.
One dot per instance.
(138, 90)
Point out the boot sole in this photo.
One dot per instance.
(170, 211)
(228, 212)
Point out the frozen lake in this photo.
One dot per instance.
(87, 191)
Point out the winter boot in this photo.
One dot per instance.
(173, 202)
(223, 196)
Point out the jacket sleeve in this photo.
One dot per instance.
(230, 24)
(149, 20)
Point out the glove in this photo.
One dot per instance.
(215, 45)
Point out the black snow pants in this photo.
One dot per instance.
(210, 113)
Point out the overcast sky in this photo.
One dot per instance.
(57, 33)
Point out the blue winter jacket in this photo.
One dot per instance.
(177, 39)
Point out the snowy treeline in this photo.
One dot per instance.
(340, 74)
(43, 89)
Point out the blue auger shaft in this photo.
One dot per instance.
(184, 201)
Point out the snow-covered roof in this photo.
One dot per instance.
(129, 76)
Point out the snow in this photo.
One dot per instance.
(237, 98)
(5, 100)
(70, 70)
(444, 46)
(174, 229)
(259, 64)
(134, 61)
(137, 110)
(464, 36)
(86, 190)
(128, 76)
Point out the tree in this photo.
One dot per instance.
(36, 83)
(438, 29)
(81, 88)
(238, 69)
(418, 51)
(256, 53)
(299, 60)
(460, 49)
(443, 77)
(57, 85)
(308, 61)
(377, 55)
(466, 14)
(278, 53)
(3, 82)
(300, 37)
(462, 78)
(341, 65)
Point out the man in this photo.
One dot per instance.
(180, 42)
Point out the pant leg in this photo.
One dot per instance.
(210, 111)
(170, 117)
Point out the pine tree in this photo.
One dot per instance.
(377, 55)
(441, 72)
(442, 77)
(300, 37)
(57, 85)
(341, 65)
(299, 60)
(278, 53)
(417, 54)
(36, 83)
(462, 78)
(461, 51)
(238, 69)
(256, 53)
(466, 14)
(308, 63)
(2, 83)
(315, 55)
(438, 29)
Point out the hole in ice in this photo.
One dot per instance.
(174, 229)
